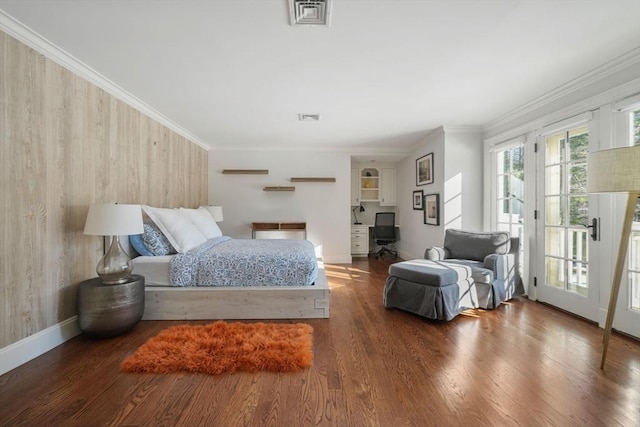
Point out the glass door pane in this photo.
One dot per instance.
(566, 211)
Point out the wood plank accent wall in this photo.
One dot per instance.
(65, 144)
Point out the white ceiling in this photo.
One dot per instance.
(236, 74)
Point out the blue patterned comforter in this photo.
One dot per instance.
(224, 261)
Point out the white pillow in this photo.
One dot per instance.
(204, 221)
(181, 232)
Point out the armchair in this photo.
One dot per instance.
(492, 257)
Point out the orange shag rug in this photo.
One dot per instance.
(225, 347)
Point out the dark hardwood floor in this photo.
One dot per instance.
(521, 364)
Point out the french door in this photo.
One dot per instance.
(568, 226)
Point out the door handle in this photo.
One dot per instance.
(594, 229)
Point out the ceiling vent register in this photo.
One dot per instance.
(309, 117)
(309, 12)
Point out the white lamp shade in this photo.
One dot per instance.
(614, 171)
(111, 219)
(216, 213)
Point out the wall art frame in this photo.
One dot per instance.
(432, 209)
(418, 198)
(424, 170)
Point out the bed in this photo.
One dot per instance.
(225, 278)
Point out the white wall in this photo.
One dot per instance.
(463, 168)
(321, 205)
(415, 236)
(457, 162)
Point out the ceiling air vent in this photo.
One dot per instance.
(309, 117)
(309, 12)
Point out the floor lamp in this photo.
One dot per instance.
(616, 171)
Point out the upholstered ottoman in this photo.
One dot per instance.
(431, 289)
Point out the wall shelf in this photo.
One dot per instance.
(280, 188)
(313, 179)
(245, 171)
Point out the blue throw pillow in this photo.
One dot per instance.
(156, 242)
(138, 244)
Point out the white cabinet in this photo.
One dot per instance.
(355, 187)
(373, 184)
(359, 240)
(387, 187)
(369, 185)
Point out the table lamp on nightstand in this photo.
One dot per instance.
(216, 213)
(114, 220)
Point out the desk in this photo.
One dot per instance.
(274, 228)
(361, 237)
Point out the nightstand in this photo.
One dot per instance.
(110, 310)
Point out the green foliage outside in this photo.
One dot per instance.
(636, 127)
(579, 203)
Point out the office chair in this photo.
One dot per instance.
(384, 234)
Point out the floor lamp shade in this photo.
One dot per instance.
(114, 220)
(616, 171)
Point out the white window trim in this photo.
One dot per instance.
(630, 103)
(507, 144)
(566, 124)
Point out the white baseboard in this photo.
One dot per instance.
(37, 344)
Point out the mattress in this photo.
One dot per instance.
(155, 269)
(223, 261)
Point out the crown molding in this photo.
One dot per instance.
(462, 129)
(613, 95)
(26, 35)
(623, 61)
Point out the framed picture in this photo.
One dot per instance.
(424, 170)
(432, 209)
(417, 200)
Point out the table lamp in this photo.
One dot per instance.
(359, 208)
(616, 171)
(216, 213)
(114, 220)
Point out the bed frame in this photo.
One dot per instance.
(246, 302)
(254, 302)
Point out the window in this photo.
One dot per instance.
(510, 193)
(635, 124)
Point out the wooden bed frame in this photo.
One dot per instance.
(255, 302)
(246, 302)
